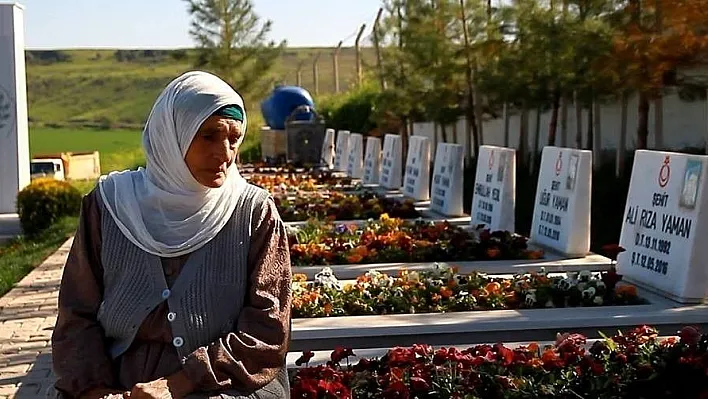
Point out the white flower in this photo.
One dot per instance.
(530, 299)
(463, 293)
(589, 293)
(598, 300)
(327, 278)
(581, 286)
(585, 275)
(572, 276)
(414, 276)
(542, 272)
(600, 285)
(565, 284)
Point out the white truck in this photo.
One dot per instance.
(66, 166)
(47, 167)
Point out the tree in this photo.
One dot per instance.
(233, 42)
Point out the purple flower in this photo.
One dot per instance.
(340, 229)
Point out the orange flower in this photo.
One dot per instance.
(549, 356)
(492, 288)
(451, 282)
(403, 272)
(299, 277)
(533, 347)
(354, 258)
(436, 298)
(626, 290)
(445, 292)
(535, 254)
(493, 253)
(328, 308)
(506, 284)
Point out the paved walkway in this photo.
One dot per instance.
(27, 316)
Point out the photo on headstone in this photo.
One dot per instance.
(691, 182)
(501, 166)
(572, 172)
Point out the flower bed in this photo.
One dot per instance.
(636, 364)
(299, 182)
(340, 206)
(394, 240)
(444, 290)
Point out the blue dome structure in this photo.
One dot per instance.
(277, 107)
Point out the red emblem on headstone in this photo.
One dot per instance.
(559, 163)
(491, 159)
(665, 172)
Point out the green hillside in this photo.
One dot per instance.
(116, 88)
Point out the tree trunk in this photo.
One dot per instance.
(659, 123)
(597, 142)
(443, 133)
(643, 121)
(471, 117)
(377, 47)
(523, 133)
(553, 127)
(591, 127)
(536, 138)
(454, 134)
(478, 117)
(505, 115)
(564, 122)
(622, 145)
(578, 122)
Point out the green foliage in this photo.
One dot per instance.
(233, 42)
(44, 202)
(20, 256)
(352, 110)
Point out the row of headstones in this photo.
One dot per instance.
(661, 219)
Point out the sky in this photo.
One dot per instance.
(52, 24)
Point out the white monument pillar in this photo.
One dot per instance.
(14, 140)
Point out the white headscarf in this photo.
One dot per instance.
(163, 209)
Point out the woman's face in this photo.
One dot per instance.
(213, 150)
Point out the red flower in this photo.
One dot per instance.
(341, 353)
(400, 356)
(305, 358)
(397, 390)
(304, 389)
(612, 250)
(335, 388)
(419, 384)
(689, 335)
(611, 278)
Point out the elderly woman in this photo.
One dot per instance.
(178, 280)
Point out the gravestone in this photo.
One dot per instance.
(446, 190)
(341, 151)
(392, 164)
(494, 189)
(561, 215)
(663, 231)
(328, 149)
(14, 141)
(416, 182)
(355, 158)
(372, 161)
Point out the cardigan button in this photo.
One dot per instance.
(178, 342)
(166, 293)
(171, 316)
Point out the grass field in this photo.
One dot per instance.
(102, 88)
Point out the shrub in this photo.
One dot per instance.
(44, 201)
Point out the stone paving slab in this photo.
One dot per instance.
(27, 316)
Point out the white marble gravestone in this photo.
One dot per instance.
(14, 141)
(561, 215)
(341, 151)
(355, 158)
(372, 161)
(392, 164)
(494, 189)
(446, 189)
(663, 232)
(328, 149)
(416, 182)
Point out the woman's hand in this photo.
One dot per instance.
(176, 386)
